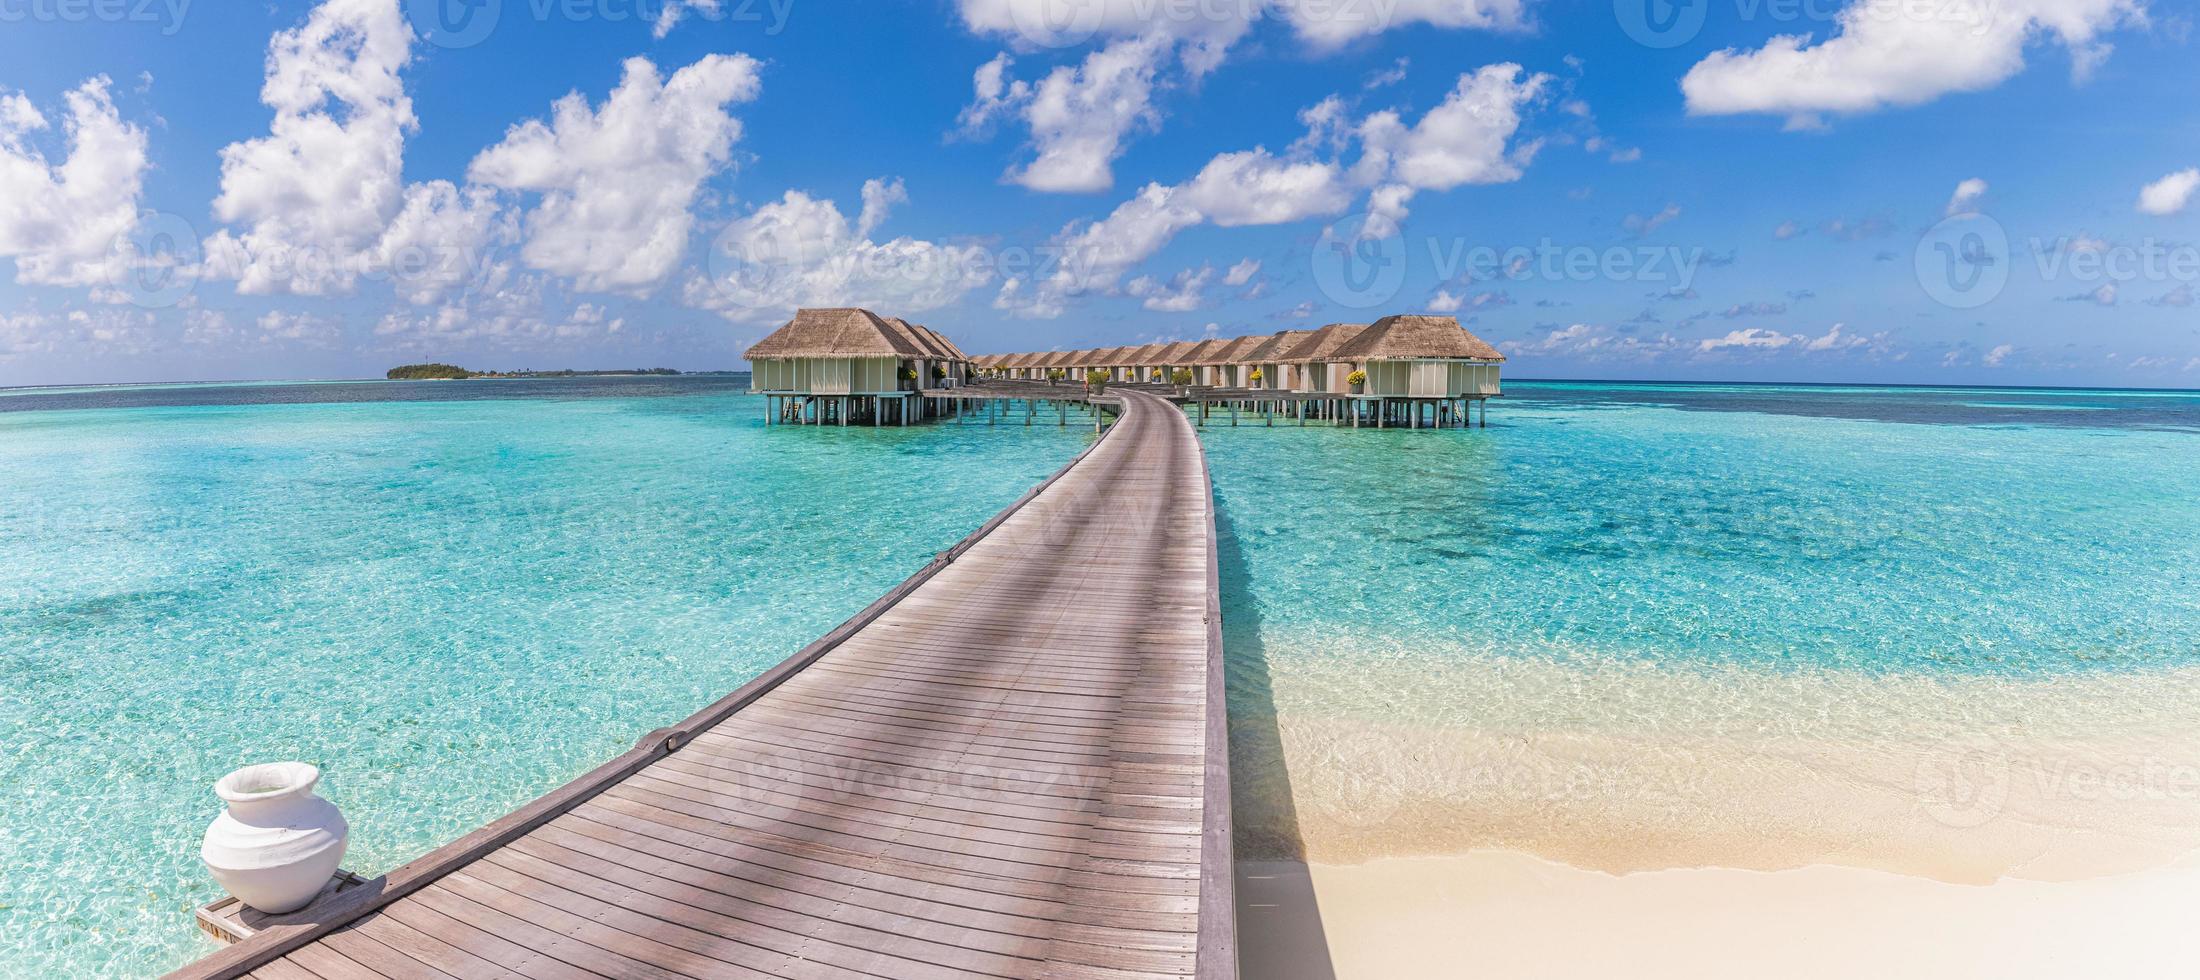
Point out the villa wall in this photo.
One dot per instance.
(827, 375)
(1428, 379)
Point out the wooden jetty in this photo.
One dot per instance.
(1015, 764)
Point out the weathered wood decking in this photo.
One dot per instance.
(1013, 765)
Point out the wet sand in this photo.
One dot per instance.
(1535, 818)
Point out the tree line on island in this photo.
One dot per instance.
(452, 372)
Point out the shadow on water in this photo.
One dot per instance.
(1279, 919)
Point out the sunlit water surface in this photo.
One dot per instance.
(1628, 626)
(450, 596)
(1944, 631)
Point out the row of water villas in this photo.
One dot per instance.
(852, 366)
(1408, 370)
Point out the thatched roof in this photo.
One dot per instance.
(1116, 356)
(1202, 350)
(1230, 351)
(1321, 344)
(843, 332)
(1174, 355)
(1144, 356)
(1269, 350)
(939, 340)
(924, 339)
(1395, 338)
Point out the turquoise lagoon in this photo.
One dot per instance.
(1626, 626)
(451, 603)
(1949, 632)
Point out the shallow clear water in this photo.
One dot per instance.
(1722, 620)
(1548, 633)
(451, 605)
(1671, 524)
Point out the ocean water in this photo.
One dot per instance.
(1644, 626)
(1952, 632)
(451, 596)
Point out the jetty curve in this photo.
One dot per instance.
(1014, 764)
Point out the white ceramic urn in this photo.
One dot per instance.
(277, 844)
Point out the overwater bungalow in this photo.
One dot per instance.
(946, 366)
(1195, 358)
(1421, 357)
(848, 365)
(1275, 373)
(1057, 361)
(1035, 365)
(1310, 359)
(1099, 359)
(1121, 364)
(1172, 356)
(1026, 366)
(1224, 365)
(1144, 363)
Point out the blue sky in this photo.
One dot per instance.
(1963, 191)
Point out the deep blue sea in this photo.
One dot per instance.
(453, 596)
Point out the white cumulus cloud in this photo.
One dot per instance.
(1899, 54)
(2169, 195)
(1753, 338)
(1328, 23)
(1079, 116)
(1966, 197)
(1467, 139)
(802, 251)
(321, 187)
(62, 222)
(616, 183)
(1181, 294)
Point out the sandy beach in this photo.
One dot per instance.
(1507, 914)
(1633, 822)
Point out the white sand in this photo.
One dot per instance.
(1507, 914)
(1599, 818)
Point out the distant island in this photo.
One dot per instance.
(452, 372)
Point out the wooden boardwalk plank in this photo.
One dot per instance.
(1004, 768)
